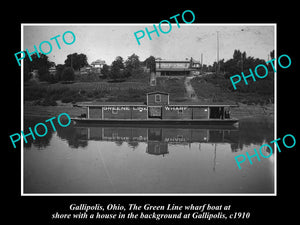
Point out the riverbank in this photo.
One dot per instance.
(47, 94)
(48, 100)
(242, 112)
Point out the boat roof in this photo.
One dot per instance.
(172, 61)
(112, 104)
(215, 104)
(97, 104)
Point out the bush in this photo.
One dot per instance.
(34, 93)
(44, 74)
(27, 76)
(68, 74)
(59, 71)
(46, 102)
(67, 99)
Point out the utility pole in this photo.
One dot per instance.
(201, 63)
(242, 59)
(218, 66)
(72, 61)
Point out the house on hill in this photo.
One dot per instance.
(177, 68)
(52, 70)
(97, 65)
(85, 70)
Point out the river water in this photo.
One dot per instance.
(148, 160)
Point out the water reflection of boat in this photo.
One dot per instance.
(249, 132)
(165, 134)
(157, 110)
(157, 138)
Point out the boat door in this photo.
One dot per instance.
(155, 112)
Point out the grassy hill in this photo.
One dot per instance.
(128, 91)
(215, 88)
(41, 97)
(209, 89)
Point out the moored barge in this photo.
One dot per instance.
(157, 110)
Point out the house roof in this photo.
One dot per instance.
(98, 62)
(173, 69)
(157, 92)
(170, 61)
(178, 61)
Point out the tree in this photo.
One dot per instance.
(119, 62)
(59, 71)
(76, 61)
(132, 66)
(44, 74)
(132, 62)
(42, 64)
(237, 55)
(272, 54)
(150, 63)
(68, 74)
(240, 63)
(204, 68)
(117, 69)
(231, 68)
(105, 71)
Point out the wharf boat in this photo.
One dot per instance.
(156, 111)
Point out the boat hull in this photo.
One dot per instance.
(138, 122)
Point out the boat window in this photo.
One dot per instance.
(227, 113)
(157, 98)
(216, 112)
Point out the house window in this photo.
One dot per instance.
(157, 149)
(114, 111)
(157, 98)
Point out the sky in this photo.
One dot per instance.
(107, 41)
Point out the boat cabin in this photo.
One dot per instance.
(157, 107)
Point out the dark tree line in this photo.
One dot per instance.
(132, 66)
(239, 63)
(41, 64)
(64, 72)
(76, 61)
(117, 71)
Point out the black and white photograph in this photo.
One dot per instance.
(146, 113)
(148, 109)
